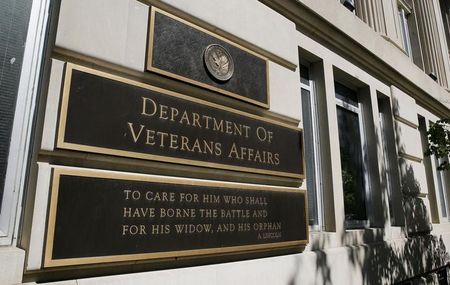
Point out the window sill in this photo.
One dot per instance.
(396, 44)
(363, 236)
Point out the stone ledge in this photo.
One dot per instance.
(11, 265)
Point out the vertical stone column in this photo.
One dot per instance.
(414, 187)
(442, 37)
(429, 39)
(371, 12)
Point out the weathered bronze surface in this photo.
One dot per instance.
(177, 47)
(100, 217)
(107, 114)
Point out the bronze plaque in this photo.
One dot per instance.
(98, 217)
(180, 49)
(103, 113)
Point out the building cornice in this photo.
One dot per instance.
(324, 23)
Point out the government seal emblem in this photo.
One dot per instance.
(218, 62)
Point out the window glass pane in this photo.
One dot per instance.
(387, 171)
(352, 164)
(349, 4)
(442, 197)
(14, 16)
(309, 157)
(445, 10)
(432, 192)
(346, 95)
(403, 21)
(304, 75)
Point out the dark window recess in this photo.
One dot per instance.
(346, 95)
(414, 40)
(403, 18)
(349, 4)
(14, 17)
(304, 75)
(442, 276)
(310, 159)
(352, 164)
(385, 130)
(433, 76)
(427, 163)
(445, 11)
(442, 196)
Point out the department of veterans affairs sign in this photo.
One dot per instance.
(108, 114)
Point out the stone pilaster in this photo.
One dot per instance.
(371, 12)
(429, 38)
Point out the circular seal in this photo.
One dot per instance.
(218, 62)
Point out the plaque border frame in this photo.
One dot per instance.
(151, 68)
(62, 144)
(85, 172)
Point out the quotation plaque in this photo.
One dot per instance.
(121, 217)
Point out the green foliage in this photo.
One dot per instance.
(439, 142)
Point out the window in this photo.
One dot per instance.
(441, 190)
(437, 181)
(445, 11)
(408, 31)
(429, 175)
(385, 143)
(403, 14)
(349, 4)
(312, 159)
(20, 65)
(390, 173)
(14, 17)
(353, 169)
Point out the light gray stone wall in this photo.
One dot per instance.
(115, 32)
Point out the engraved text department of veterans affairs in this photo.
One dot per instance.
(141, 121)
(219, 62)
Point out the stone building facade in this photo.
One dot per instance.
(362, 79)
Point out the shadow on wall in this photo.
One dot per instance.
(383, 262)
(417, 219)
(416, 215)
(322, 273)
(376, 258)
(387, 263)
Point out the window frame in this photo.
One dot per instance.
(404, 12)
(445, 13)
(310, 87)
(349, 4)
(441, 181)
(384, 128)
(18, 156)
(359, 224)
